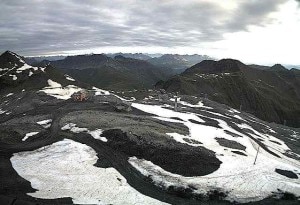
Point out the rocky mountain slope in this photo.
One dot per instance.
(272, 95)
(136, 148)
(118, 73)
(16, 75)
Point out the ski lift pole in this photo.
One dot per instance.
(256, 155)
(176, 103)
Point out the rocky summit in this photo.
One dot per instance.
(270, 94)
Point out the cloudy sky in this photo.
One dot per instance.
(254, 31)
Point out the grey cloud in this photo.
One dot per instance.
(33, 27)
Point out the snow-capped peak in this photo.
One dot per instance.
(13, 65)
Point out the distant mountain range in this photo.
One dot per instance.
(270, 93)
(118, 73)
(139, 56)
(38, 59)
(187, 60)
(274, 67)
(178, 62)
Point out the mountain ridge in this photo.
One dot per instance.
(270, 95)
(17, 75)
(112, 73)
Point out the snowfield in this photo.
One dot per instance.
(237, 176)
(66, 169)
(95, 133)
(64, 93)
(56, 90)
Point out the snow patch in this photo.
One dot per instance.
(69, 78)
(9, 94)
(8, 70)
(45, 123)
(97, 135)
(14, 77)
(199, 104)
(29, 135)
(26, 67)
(238, 117)
(72, 127)
(180, 138)
(53, 84)
(18, 57)
(167, 113)
(56, 90)
(218, 114)
(66, 169)
(3, 69)
(231, 110)
(123, 99)
(277, 145)
(100, 91)
(2, 111)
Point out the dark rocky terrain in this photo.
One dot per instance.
(133, 148)
(271, 94)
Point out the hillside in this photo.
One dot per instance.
(17, 76)
(59, 151)
(135, 146)
(118, 73)
(271, 95)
